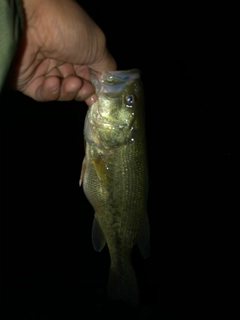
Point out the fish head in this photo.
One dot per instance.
(112, 119)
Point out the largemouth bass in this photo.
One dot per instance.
(115, 176)
(11, 26)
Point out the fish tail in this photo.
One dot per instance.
(123, 285)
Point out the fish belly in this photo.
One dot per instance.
(115, 185)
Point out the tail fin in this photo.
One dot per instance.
(122, 284)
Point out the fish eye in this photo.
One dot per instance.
(130, 99)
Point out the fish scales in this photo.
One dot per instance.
(113, 204)
(115, 180)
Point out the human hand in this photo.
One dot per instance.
(59, 47)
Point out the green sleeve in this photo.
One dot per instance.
(11, 26)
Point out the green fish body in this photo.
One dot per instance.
(11, 27)
(115, 176)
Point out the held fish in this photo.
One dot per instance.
(115, 176)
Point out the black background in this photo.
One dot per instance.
(49, 266)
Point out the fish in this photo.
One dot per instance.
(12, 26)
(115, 176)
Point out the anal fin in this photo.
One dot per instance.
(143, 241)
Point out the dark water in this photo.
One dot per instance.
(49, 268)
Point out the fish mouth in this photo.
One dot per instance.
(113, 82)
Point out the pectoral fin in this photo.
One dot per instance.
(101, 169)
(143, 241)
(98, 238)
